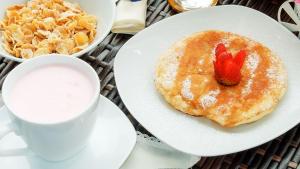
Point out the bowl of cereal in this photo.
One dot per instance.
(38, 27)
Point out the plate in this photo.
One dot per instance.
(134, 73)
(110, 144)
(104, 10)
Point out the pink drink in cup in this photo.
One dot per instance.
(51, 93)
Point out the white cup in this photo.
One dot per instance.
(54, 141)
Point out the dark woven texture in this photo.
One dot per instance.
(282, 152)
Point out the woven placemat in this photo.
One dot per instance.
(282, 152)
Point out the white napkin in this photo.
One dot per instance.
(148, 153)
(130, 17)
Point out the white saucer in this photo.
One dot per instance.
(110, 144)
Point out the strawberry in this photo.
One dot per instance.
(228, 68)
(240, 58)
(220, 49)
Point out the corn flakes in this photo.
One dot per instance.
(46, 26)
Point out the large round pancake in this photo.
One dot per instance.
(185, 78)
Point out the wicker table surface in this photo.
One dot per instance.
(282, 152)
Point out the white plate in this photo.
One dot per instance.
(104, 10)
(110, 144)
(134, 72)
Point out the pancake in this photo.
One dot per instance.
(185, 78)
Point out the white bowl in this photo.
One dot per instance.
(104, 10)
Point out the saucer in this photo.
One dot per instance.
(109, 146)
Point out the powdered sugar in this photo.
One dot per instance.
(272, 74)
(209, 99)
(186, 89)
(252, 64)
(170, 74)
(201, 61)
(247, 88)
(171, 64)
(171, 67)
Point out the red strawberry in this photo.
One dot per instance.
(240, 58)
(228, 68)
(220, 49)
